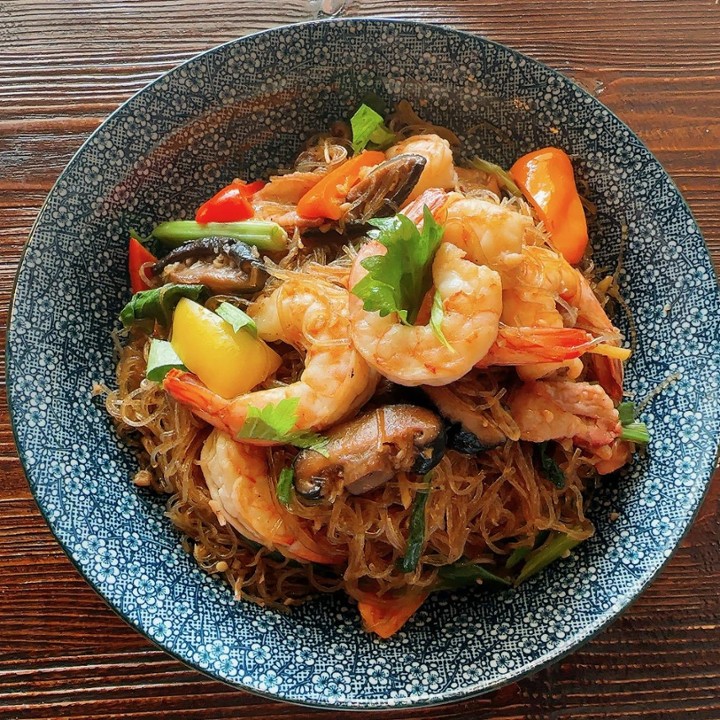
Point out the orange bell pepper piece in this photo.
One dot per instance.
(547, 181)
(325, 199)
(385, 617)
(138, 255)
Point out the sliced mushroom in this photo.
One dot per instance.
(225, 265)
(473, 431)
(381, 192)
(371, 449)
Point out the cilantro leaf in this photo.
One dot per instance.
(239, 319)
(398, 281)
(276, 423)
(437, 313)
(369, 127)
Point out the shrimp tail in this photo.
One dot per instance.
(529, 345)
(609, 373)
(434, 198)
(188, 390)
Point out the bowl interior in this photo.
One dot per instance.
(244, 109)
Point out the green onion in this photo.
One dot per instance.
(626, 411)
(551, 470)
(550, 551)
(636, 432)
(416, 537)
(502, 176)
(239, 319)
(161, 359)
(262, 234)
(463, 573)
(284, 489)
(516, 556)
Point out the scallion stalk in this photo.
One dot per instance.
(547, 553)
(636, 432)
(264, 235)
(502, 176)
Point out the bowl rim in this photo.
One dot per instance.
(347, 704)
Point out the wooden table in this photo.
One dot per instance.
(66, 64)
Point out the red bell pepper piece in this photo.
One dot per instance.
(230, 204)
(138, 255)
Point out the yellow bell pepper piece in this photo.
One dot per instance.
(230, 363)
(616, 353)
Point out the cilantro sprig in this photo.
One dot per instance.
(398, 281)
(277, 423)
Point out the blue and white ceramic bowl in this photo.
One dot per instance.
(243, 109)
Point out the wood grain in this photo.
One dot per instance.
(64, 65)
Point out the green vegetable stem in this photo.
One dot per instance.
(264, 235)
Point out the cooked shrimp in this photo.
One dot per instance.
(278, 199)
(436, 201)
(491, 233)
(529, 345)
(311, 315)
(535, 289)
(535, 280)
(439, 171)
(552, 410)
(238, 479)
(413, 354)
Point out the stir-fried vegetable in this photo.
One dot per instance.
(556, 546)
(326, 198)
(229, 362)
(264, 235)
(149, 306)
(636, 432)
(502, 177)
(385, 616)
(516, 557)
(550, 469)
(460, 574)
(277, 424)
(416, 535)
(399, 280)
(632, 431)
(368, 127)
(161, 359)
(626, 412)
(284, 489)
(611, 351)
(437, 313)
(547, 181)
(138, 255)
(230, 204)
(238, 318)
